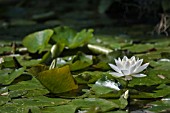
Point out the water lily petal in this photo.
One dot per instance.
(116, 74)
(132, 68)
(127, 65)
(139, 75)
(135, 66)
(133, 59)
(119, 60)
(115, 68)
(119, 64)
(139, 62)
(125, 59)
(126, 72)
(141, 68)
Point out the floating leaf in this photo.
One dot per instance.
(60, 109)
(76, 62)
(5, 50)
(4, 99)
(27, 85)
(104, 86)
(87, 103)
(89, 77)
(152, 78)
(162, 105)
(37, 69)
(7, 79)
(57, 80)
(138, 48)
(122, 101)
(81, 61)
(160, 91)
(38, 40)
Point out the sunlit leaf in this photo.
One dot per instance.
(104, 86)
(76, 62)
(99, 49)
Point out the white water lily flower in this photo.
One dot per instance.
(128, 67)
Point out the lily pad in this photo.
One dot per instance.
(86, 103)
(7, 79)
(57, 80)
(162, 105)
(104, 86)
(60, 109)
(37, 41)
(139, 48)
(70, 38)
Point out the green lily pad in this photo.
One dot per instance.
(81, 61)
(26, 85)
(122, 101)
(60, 109)
(162, 105)
(76, 62)
(37, 41)
(4, 99)
(25, 104)
(87, 103)
(104, 86)
(154, 77)
(7, 79)
(14, 109)
(138, 48)
(70, 38)
(5, 50)
(88, 77)
(159, 92)
(57, 80)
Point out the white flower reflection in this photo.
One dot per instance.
(128, 67)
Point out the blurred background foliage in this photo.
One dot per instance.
(77, 13)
